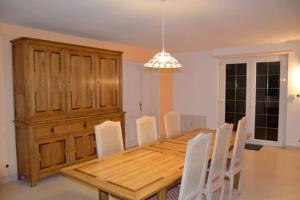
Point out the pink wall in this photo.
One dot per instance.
(9, 32)
(130, 52)
(166, 97)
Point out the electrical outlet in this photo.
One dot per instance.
(7, 165)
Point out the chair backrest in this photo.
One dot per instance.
(195, 165)
(192, 122)
(146, 130)
(219, 157)
(239, 146)
(109, 138)
(172, 124)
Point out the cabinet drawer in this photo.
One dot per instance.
(117, 119)
(77, 126)
(93, 122)
(61, 129)
(43, 131)
(49, 130)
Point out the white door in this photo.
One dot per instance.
(234, 94)
(268, 100)
(140, 97)
(256, 88)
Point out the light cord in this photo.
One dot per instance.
(163, 25)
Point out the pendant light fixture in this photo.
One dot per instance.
(163, 60)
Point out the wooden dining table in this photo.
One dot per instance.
(141, 172)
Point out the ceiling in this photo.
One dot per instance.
(190, 24)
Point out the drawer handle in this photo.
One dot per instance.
(52, 130)
(84, 125)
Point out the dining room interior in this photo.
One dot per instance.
(157, 100)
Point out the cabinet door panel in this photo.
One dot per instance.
(40, 81)
(59, 152)
(108, 83)
(90, 145)
(45, 155)
(47, 77)
(52, 152)
(79, 147)
(81, 77)
(55, 82)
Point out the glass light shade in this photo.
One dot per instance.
(163, 60)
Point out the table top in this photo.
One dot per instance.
(139, 172)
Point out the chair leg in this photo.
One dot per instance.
(231, 184)
(240, 182)
(208, 195)
(222, 191)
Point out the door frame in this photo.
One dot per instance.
(283, 59)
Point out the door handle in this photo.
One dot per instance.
(140, 105)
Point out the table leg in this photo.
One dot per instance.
(162, 195)
(236, 181)
(103, 195)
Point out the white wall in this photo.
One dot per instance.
(195, 86)
(200, 76)
(7, 133)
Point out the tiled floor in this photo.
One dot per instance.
(270, 174)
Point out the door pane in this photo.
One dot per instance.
(240, 107)
(274, 68)
(273, 81)
(230, 70)
(260, 133)
(235, 100)
(241, 82)
(261, 68)
(241, 69)
(230, 107)
(261, 121)
(241, 94)
(272, 134)
(230, 94)
(229, 118)
(261, 94)
(267, 100)
(261, 81)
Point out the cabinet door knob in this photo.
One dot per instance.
(52, 130)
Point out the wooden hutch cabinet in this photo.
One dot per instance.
(61, 92)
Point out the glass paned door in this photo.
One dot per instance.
(235, 93)
(255, 87)
(267, 100)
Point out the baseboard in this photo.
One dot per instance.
(9, 178)
(292, 146)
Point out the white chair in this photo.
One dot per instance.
(235, 164)
(109, 138)
(146, 130)
(172, 124)
(215, 179)
(195, 165)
